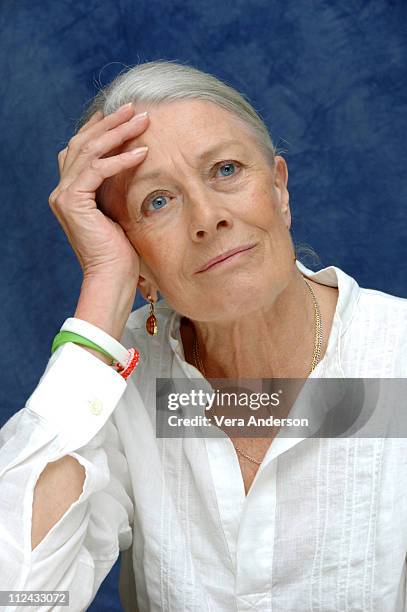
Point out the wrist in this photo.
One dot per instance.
(106, 303)
(98, 354)
(90, 336)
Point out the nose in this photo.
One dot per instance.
(208, 215)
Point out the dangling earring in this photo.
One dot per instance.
(151, 323)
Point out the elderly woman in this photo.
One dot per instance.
(173, 185)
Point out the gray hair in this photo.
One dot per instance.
(164, 81)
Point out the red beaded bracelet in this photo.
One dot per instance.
(125, 371)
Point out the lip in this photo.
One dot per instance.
(224, 256)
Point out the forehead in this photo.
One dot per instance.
(192, 119)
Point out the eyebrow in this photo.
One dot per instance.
(207, 154)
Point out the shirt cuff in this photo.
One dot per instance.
(76, 395)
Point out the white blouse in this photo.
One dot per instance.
(323, 527)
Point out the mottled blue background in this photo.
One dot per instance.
(329, 78)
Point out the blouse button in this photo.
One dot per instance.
(96, 407)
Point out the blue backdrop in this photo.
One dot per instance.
(329, 78)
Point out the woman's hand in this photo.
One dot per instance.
(100, 244)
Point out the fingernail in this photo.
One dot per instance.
(138, 151)
(124, 106)
(139, 116)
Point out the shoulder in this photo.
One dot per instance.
(377, 335)
(378, 305)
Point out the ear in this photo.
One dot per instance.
(146, 282)
(280, 184)
(147, 289)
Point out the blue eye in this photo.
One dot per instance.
(158, 199)
(229, 166)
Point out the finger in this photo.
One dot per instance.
(62, 154)
(98, 127)
(97, 116)
(61, 159)
(108, 122)
(100, 169)
(104, 145)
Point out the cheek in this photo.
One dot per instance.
(159, 260)
(264, 213)
(261, 205)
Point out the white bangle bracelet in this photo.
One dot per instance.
(116, 350)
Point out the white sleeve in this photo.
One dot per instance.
(68, 413)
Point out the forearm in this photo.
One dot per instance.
(65, 556)
(58, 487)
(106, 305)
(54, 471)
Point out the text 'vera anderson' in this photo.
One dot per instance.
(222, 421)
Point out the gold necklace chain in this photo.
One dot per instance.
(315, 357)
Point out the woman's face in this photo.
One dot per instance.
(205, 188)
